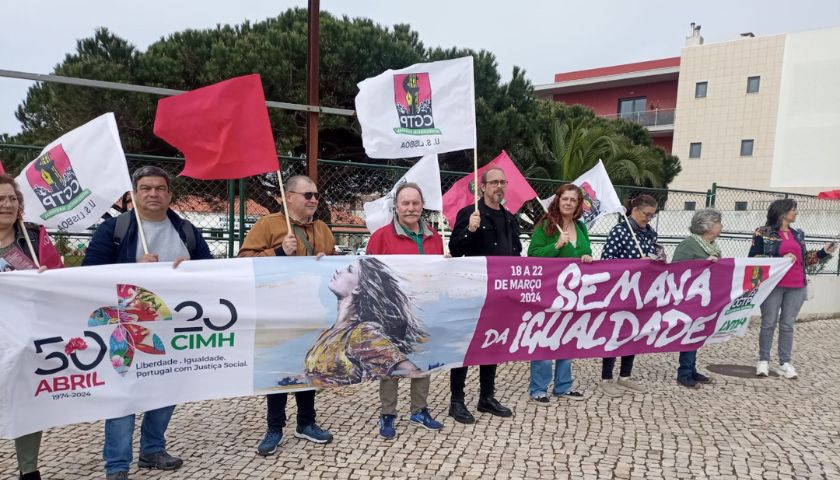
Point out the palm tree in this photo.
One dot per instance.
(571, 150)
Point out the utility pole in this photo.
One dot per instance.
(313, 80)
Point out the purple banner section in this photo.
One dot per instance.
(541, 309)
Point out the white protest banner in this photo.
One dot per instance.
(426, 174)
(76, 178)
(419, 110)
(599, 197)
(128, 338)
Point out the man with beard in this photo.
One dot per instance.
(489, 231)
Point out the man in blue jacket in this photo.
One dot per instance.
(170, 239)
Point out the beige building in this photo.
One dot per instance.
(760, 113)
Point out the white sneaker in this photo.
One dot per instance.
(610, 389)
(786, 370)
(762, 369)
(631, 385)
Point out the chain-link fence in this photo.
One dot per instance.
(225, 210)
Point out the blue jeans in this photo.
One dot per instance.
(118, 438)
(688, 365)
(541, 377)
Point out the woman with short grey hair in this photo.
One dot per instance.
(705, 228)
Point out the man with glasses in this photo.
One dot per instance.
(270, 237)
(169, 239)
(490, 231)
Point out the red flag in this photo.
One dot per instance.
(830, 195)
(461, 194)
(223, 130)
(48, 255)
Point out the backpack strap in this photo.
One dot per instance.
(120, 230)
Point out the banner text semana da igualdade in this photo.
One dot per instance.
(85, 344)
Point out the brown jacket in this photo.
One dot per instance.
(268, 233)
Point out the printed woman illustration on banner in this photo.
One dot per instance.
(375, 330)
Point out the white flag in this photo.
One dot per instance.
(76, 178)
(422, 109)
(426, 174)
(599, 197)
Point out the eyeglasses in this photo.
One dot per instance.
(648, 216)
(497, 183)
(308, 195)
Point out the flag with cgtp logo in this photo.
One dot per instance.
(599, 197)
(419, 110)
(426, 174)
(76, 178)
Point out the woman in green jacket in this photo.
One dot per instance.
(559, 234)
(705, 228)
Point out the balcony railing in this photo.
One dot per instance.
(648, 118)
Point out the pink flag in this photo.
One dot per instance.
(461, 194)
(829, 195)
(2, 170)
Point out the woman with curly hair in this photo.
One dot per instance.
(559, 234)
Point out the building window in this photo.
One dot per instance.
(700, 89)
(740, 206)
(694, 150)
(746, 148)
(752, 84)
(632, 108)
(691, 206)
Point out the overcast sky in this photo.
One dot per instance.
(543, 37)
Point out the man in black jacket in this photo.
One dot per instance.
(491, 231)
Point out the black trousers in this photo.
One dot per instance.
(458, 378)
(276, 409)
(609, 363)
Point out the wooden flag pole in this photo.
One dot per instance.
(545, 209)
(285, 208)
(139, 225)
(442, 222)
(475, 177)
(29, 243)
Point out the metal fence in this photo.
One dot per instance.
(225, 210)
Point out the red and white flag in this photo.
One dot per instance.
(419, 110)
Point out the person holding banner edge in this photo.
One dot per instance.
(486, 229)
(169, 239)
(15, 254)
(705, 228)
(407, 234)
(270, 237)
(631, 238)
(778, 239)
(559, 234)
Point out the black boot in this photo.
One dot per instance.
(492, 406)
(36, 475)
(459, 412)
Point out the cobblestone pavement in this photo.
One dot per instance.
(737, 428)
